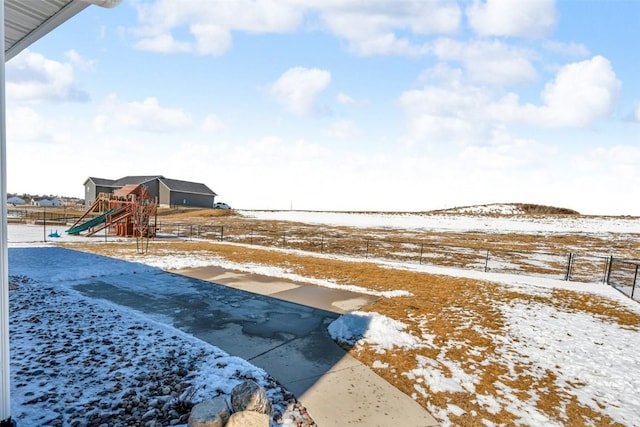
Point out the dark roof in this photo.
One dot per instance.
(187, 186)
(135, 180)
(171, 184)
(103, 182)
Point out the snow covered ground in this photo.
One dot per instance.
(461, 223)
(80, 361)
(593, 358)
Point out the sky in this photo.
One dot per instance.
(338, 104)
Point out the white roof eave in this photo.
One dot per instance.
(28, 21)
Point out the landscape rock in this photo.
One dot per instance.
(248, 419)
(210, 413)
(249, 396)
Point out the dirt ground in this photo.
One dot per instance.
(441, 306)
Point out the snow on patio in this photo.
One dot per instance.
(81, 361)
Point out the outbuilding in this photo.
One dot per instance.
(169, 192)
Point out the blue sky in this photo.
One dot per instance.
(338, 104)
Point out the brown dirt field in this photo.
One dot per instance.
(441, 306)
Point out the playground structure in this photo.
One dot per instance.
(127, 212)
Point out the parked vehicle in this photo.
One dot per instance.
(221, 205)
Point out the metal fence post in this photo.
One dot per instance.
(606, 269)
(486, 262)
(421, 252)
(635, 277)
(568, 274)
(221, 233)
(610, 268)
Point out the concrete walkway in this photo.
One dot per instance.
(336, 389)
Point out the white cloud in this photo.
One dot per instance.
(164, 43)
(388, 28)
(212, 123)
(448, 112)
(209, 28)
(636, 113)
(25, 124)
(371, 27)
(32, 77)
(147, 115)
(211, 39)
(345, 99)
(343, 129)
(78, 61)
(456, 112)
(503, 151)
(298, 88)
(489, 61)
(570, 49)
(522, 18)
(581, 93)
(617, 160)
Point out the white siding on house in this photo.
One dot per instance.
(55, 202)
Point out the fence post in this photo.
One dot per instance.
(486, 262)
(284, 239)
(190, 231)
(610, 268)
(568, 274)
(421, 252)
(367, 253)
(221, 233)
(635, 277)
(606, 269)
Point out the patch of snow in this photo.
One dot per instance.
(377, 330)
(171, 261)
(495, 209)
(461, 223)
(379, 365)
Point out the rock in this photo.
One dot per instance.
(249, 396)
(149, 414)
(248, 419)
(209, 413)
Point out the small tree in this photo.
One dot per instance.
(144, 209)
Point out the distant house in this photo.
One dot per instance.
(15, 200)
(48, 202)
(170, 192)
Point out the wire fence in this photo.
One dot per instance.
(569, 266)
(620, 273)
(623, 275)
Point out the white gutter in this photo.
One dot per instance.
(5, 401)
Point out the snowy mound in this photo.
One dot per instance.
(492, 209)
(509, 209)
